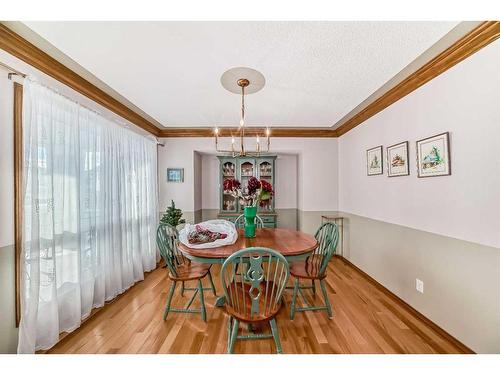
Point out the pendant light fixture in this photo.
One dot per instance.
(243, 81)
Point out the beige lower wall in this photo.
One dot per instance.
(461, 278)
(309, 221)
(8, 330)
(208, 214)
(288, 218)
(197, 216)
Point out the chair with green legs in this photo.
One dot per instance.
(182, 270)
(314, 268)
(255, 296)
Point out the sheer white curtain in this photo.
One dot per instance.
(90, 214)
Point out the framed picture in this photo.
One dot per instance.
(175, 174)
(397, 160)
(433, 156)
(374, 164)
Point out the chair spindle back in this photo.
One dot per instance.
(327, 236)
(257, 293)
(167, 238)
(240, 221)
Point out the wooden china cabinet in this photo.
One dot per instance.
(241, 169)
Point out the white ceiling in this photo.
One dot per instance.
(316, 72)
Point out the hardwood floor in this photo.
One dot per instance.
(366, 320)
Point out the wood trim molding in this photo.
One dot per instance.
(478, 38)
(18, 191)
(24, 50)
(472, 42)
(29, 53)
(465, 349)
(250, 131)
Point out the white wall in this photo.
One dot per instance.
(444, 230)
(465, 101)
(316, 173)
(287, 182)
(210, 183)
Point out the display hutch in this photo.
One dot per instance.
(242, 168)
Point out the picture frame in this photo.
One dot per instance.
(398, 159)
(175, 174)
(374, 161)
(433, 156)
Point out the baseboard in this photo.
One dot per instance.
(464, 348)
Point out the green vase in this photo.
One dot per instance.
(250, 213)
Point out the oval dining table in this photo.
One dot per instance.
(292, 244)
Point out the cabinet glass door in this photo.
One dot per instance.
(266, 173)
(229, 203)
(247, 170)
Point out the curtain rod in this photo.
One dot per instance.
(12, 70)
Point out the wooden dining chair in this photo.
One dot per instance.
(256, 295)
(181, 269)
(240, 221)
(314, 268)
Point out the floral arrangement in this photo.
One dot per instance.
(256, 192)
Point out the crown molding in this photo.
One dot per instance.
(472, 42)
(19, 47)
(249, 131)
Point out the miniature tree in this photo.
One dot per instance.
(173, 216)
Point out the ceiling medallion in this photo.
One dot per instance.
(243, 81)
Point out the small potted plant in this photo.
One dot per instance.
(173, 216)
(256, 193)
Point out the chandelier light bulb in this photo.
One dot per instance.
(216, 130)
(258, 140)
(242, 122)
(232, 140)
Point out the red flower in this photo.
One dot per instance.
(267, 187)
(229, 185)
(266, 193)
(253, 185)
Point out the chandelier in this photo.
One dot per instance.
(243, 81)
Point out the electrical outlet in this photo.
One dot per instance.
(419, 285)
